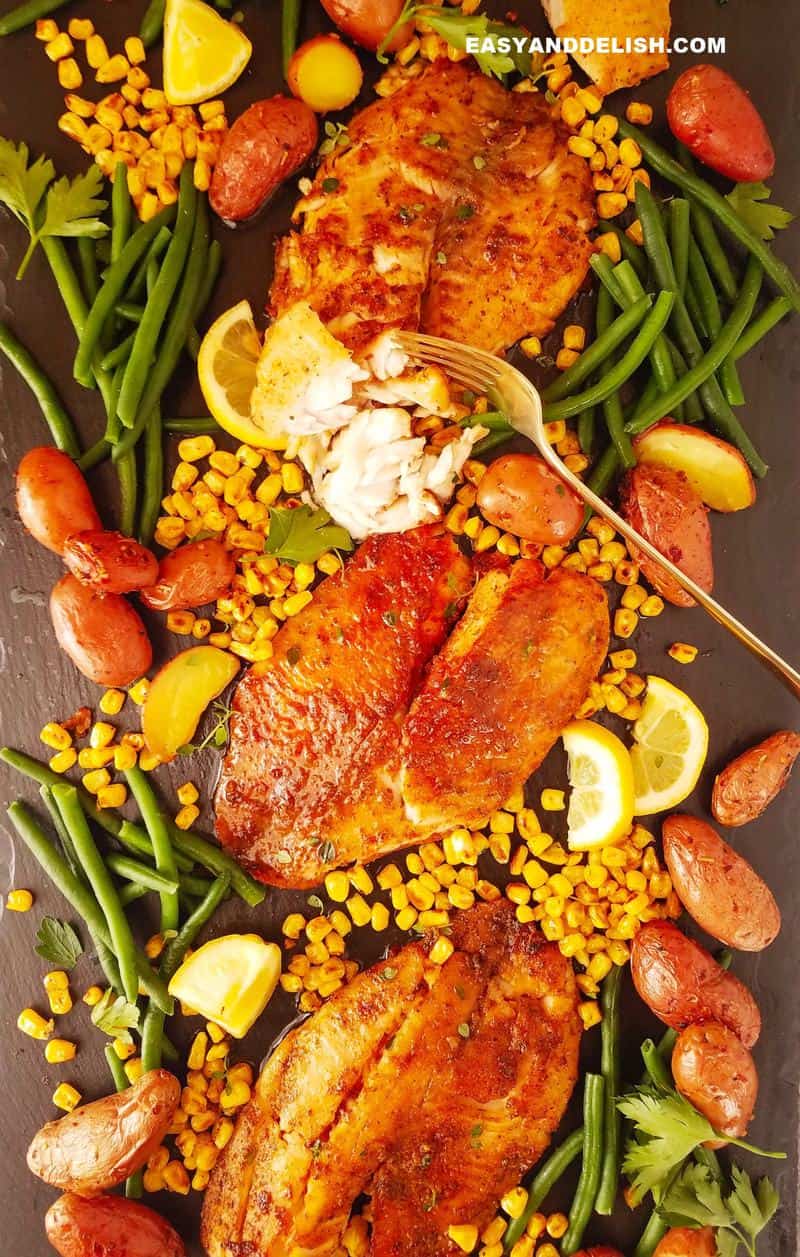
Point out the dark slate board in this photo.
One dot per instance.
(757, 574)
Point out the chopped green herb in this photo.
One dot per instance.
(456, 27)
(58, 943)
(441, 258)
(465, 211)
(388, 974)
(329, 185)
(750, 200)
(432, 139)
(315, 902)
(300, 535)
(390, 618)
(478, 161)
(326, 852)
(116, 1017)
(293, 655)
(463, 1030)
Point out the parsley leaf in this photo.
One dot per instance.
(73, 205)
(300, 535)
(456, 27)
(750, 200)
(58, 943)
(22, 186)
(738, 1214)
(115, 1016)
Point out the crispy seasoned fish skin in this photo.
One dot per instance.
(509, 678)
(344, 1096)
(413, 232)
(315, 732)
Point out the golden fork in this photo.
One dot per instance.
(511, 392)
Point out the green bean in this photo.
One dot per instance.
(135, 871)
(213, 263)
(657, 1070)
(585, 426)
(730, 383)
(151, 277)
(153, 477)
(703, 370)
(131, 311)
(100, 881)
(679, 228)
(491, 442)
(116, 1068)
(128, 488)
(693, 406)
(610, 1069)
(54, 414)
(612, 336)
(138, 284)
(603, 472)
(715, 405)
(763, 323)
(156, 826)
(119, 354)
(612, 406)
(130, 892)
(605, 272)
(591, 1164)
(707, 237)
(633, 357)
(651, 1236)
(95, 454)
(494, 420)
(704, 288)
(206, 426)
(26, 14)
(191, 848)
(290, 25)
(694, 309)
(632, 252)
(87, 257)
(150, 328)
(196, 886)
(152, 22)
(545, 1179)
(78, 894)
(660, 161)
(650, 395)
(110, 293)
(174, 335)
(660, 360)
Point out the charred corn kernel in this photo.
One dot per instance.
(138, 78)
(531, 346)
(176, 1178)
(69, 74)
(92, 995)
(623, 659)
(574, 336)
(441, 951)
(19, 901)
(291, 478)
(625, 622)
(523, 1247)
(115, 795)
(113, 69)
(590, 1016)
(557, 1225)
(57, 1051)
(46, 29)
(572, 112)
(552, 800)
(55, 736)
(609, 244)
(180, 622)
(514, 1202)
(611, 204)
(565, 358)
(59, 47)
(66, 1097)
(639, 114)
(96, 51)
(633, 597)
(96, 779)
(602, 182)
(123, 1050)
(112, 702)
(634, 232)
(154, 946)
(630, 154)
(494, 1232)
(681, 652)
(605, 128)
(652, 606)
(463, 1236)
(406, 918)
(90, 757)
(102, 733)
(536, 1226)
(202, 175)
(558, 78)
(581, 147)
(379, 917)
(34, 1025)
(555, 431)
(139, 690)
(134, 50)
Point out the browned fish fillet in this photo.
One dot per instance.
(313, 756)
(384, 1090)
(456, 208)
(510, 677)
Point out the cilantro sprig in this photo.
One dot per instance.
(752, 203)
(58, 943)
(66, 207)
(300, 535)
(738, 1212)
(116, 1017)
(456, 27)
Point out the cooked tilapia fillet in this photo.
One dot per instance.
(432, 1088)
(615, 19)
(312, 769)
(509, 678)
(456, 209)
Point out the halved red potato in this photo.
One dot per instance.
(109, 1226)
(682, 1241)
(661, 505)
(715, 469)
(180, 693)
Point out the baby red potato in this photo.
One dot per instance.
(109, 1226)
(751, 781)
(110, 562)
(715, 470)
(192, 575)
(717, 1074)
(520, 494)
(714, 117)
(662, 505)
(102, 634)
(53, 499)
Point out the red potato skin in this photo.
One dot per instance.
(715, 118)
(109, 1226)
(110, 562)
(751, 781)
(520, 494)
(599, 1250)
(192, 575)
(53, 499)
(717, 1074)
(102, 634)
(682, 983)
(661, 504)
(717, 886)
(264, 147)
(683, 1241)
(367, 22)
(100, 1144)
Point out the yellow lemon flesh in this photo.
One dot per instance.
(229, 980)
(226, 368)
(670, 746)
(203, 54)
(601, 780)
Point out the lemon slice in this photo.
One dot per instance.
(203, 54)
(601, 778)
(670, 745)
(226, 366)
(229, 980)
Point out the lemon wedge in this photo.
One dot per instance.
(203, 54)
(229, 980)
(670, 746)
(226, 367)
(601, 779)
